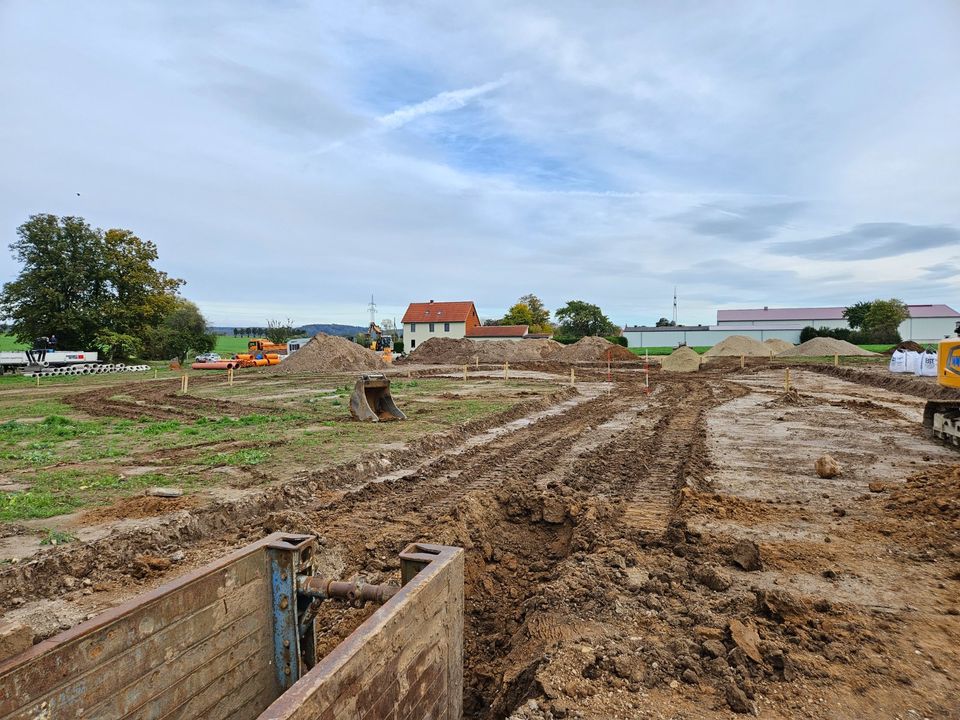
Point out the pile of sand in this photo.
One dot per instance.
(328, 352)
(683, 359)
(737, 345)
(777, 345)
(592, 349)
(823, 346)
(463, 351)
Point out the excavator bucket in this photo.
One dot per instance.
(371, 399)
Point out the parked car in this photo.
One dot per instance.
(207, 357)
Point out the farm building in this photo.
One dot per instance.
(426, 320)
(927, 323)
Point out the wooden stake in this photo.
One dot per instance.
(742, 361)
(154, 373)
(38, 379)
(229, 376)
(464, 373)
(786, 380)
(573, 380)
(836, 360)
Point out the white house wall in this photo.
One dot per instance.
(422, 332)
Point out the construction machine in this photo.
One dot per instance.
(379, 340)
(263, 346)
(941, 418)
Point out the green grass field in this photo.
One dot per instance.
(9, 342)
(229, 345)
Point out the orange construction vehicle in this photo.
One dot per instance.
(262, 345)
(942, 417)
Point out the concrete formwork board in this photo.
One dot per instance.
(213, 644)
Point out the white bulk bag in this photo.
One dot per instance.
(912, 361)
(928, 365)
(898, 361)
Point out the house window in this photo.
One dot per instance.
(413, 327)
(446, 327)
(431, 327)
(413, 344)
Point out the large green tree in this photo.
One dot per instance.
(539, 315)
(882, 322)
(856, 314)
(579, 319)
(519, 314)
(181, 332)
(79, 282)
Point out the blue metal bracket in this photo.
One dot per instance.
(289, 556)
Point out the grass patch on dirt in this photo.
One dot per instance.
(64, 460)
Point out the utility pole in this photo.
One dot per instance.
(674, 304)
(373, 311)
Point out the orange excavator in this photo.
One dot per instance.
(261, 352)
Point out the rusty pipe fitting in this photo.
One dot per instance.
(356, 592)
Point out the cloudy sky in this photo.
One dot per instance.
(291, 158)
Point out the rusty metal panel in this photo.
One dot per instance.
(405, 660)
(199, 647)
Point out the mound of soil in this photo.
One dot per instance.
(824, 347)
(777, 345)
(683, 359)
(737, 345)
(592, 349)
(450, 351)
(327, 352)
(906, 345)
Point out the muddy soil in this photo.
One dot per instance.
(661, 555)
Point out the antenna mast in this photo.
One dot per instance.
(674, 304)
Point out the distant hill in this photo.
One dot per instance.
(312, 329)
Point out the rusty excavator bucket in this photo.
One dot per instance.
(371, 399)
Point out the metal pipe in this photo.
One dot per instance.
(357, 593)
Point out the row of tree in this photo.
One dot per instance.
(574, 320)
(873, 322)
(98, 289)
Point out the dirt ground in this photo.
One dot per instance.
(629, 555)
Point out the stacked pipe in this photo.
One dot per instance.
(87, 369)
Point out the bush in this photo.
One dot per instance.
(398, 346)
(616, 340)
(857, 337)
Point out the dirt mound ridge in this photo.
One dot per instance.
(592, 349)
(328, 352)
(683, 359)
(737, 345)
(824, 347)
(777, 345)
(451, 351)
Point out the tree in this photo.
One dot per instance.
(856, 314)
(663, 322)
(78, 282)
(118, 346)
(519, 314)
(491, 323)
(579, 319)
(278, 331)
(883, 319)
(539, 315)
(182, 331)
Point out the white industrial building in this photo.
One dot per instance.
(926, 324)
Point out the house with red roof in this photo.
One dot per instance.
(425, 320)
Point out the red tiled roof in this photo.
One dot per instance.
(489, 331)
(822, 313)
(438, 312)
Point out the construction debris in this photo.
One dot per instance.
(824, 347)
(683, 359)
(325, 353)
(737, 345)
(777, 345)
